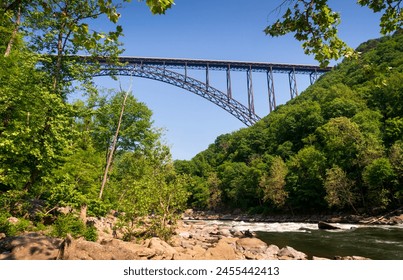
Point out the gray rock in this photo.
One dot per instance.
(289, 253)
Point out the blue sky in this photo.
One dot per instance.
(222, 30)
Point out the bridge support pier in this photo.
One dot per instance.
(293, 83)
(229, 89)
(207, 78)
(270, 89)
(313, 76)
(251, 101)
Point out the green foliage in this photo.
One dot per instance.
(274, 182)
(338, 188)
(380, 178)
(145, 185)
(316, 25)
(136, 130)
(159, 6)
(305, 178)
(13, 229)
(340, 139)
(91, 234)
(336, 145)
(34, 126)
(70, 224)
(14, 202)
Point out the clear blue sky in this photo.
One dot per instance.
(223, 30)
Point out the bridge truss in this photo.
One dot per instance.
(161, 69)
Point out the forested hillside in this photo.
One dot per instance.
(337, 146)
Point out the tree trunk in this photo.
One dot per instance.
(83, 213)
(15, 31)
(110, 157)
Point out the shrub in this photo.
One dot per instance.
(68, 224)
(11, 229)
(91, 233)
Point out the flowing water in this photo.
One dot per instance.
(374, 242)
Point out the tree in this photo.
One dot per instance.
(273, 183)
(121, 124)
(31, 143)
(64, 29)
(339, 188)
(113, 147)
(316, 25)
(143, 185)
(380, 178)
(136, 131)
(306, 171)
(340, 139)
(61, 28)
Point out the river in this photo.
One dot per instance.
(374, 242)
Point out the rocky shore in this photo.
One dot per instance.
(194, 240)
(191, 242)
(393, 218)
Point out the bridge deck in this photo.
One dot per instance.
(180, 63)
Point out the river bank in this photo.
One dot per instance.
(392, 218)
(194, 239)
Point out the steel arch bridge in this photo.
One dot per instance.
(161, 69)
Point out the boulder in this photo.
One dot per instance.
(163, 250)
(252, 245)
(80, 249)
(324, 225)
(289, 253)
(31, 246)
(272, 252)
(224, 250)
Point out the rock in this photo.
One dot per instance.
(237, 233)
(397, 219)
(196, 252)
(319, 258)
(248, 233)
(31, 246)
(253, 245)
(187, 244)
(13, 220)
(80, 249)
(224, 250)
(324, 225)
(289, 253)
(225, 232)
(162, 249)
(64, 210)
(350, 258)
(185, 234)
(272, 252)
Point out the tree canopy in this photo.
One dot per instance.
(315, 23)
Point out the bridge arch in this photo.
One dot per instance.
(226, 102)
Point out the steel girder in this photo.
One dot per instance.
(235, 108)
(220, 65)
